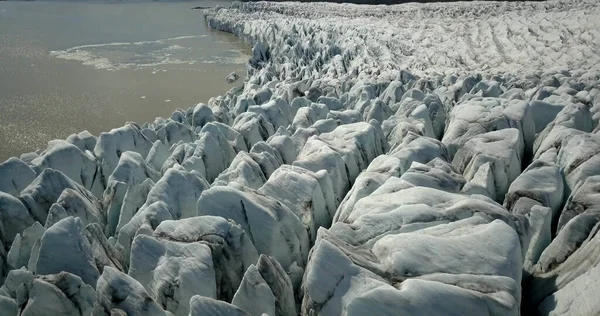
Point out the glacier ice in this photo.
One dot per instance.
(273, 228)
(117, 292)
(206, 306)
(15, 175)
(173, 272)
(231, 248)
(266, 289)
(366, 165)
(65, 247)
(55, 294)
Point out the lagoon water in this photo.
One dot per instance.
(66, 67)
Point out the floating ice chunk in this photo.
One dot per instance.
(205, 306)
(65, 247)
(118, 292)
(15, 175)
(271, 226)
(232, 77)
(58, 294)
(173, 272)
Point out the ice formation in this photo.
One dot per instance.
(418, 159)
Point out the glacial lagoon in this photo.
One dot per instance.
(66, 67)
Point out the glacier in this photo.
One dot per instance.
(414, 159)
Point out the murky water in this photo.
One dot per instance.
(72, 66)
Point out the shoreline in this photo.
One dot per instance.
(374, 159)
